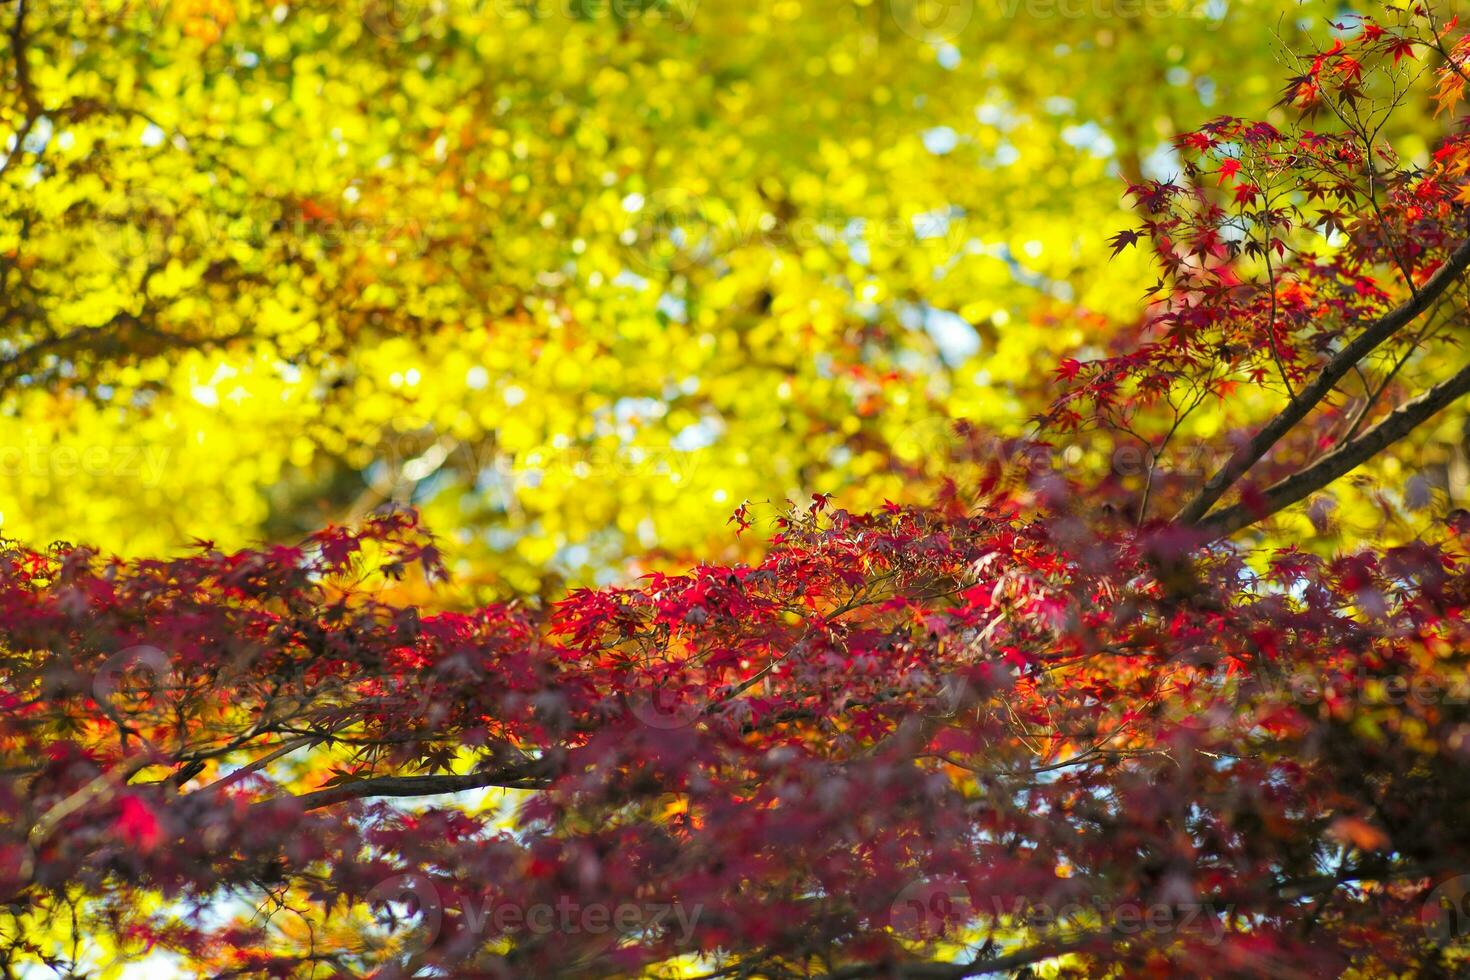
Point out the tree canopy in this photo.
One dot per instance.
(287, 249)
(795, 489)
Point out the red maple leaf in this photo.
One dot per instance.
(137, 824)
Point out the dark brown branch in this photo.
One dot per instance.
(525, 775)
(1307, 398)
(122, 336)
(956, 971)
(23, 81)
(1399, 423)
(28, 96)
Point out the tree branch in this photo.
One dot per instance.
(956, 971)
(525, 775)
(1307, 398)
(33, 109)
(1397, 424)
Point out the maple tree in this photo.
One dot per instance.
(1099, 706)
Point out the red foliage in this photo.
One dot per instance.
(1028, 710)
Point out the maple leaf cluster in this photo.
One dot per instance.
(1021, 710)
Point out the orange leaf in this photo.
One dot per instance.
(1359, 833)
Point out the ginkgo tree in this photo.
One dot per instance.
(575, 279)
(1091, 712)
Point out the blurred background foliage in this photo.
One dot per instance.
(577, 277)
